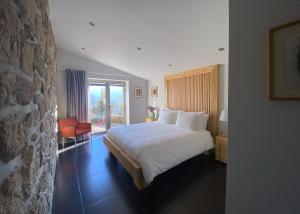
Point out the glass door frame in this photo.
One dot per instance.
(123, 85)
(107, 84)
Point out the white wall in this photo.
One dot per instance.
(264, 138)
(158, 101)
(137, 106)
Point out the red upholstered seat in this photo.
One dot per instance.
(82, 131)
(71, 128)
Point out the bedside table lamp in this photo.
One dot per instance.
(224, 118)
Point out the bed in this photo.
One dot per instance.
(147, 149)
(158, 147)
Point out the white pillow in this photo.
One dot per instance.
(188, 120)
(167, 116)
(202, 123)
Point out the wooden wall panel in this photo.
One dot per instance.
(194, 91)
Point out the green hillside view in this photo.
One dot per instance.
(98, 102)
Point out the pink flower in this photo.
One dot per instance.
(151, 108)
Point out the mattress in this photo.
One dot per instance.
(158, 147)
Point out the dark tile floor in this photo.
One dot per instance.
(90, 180)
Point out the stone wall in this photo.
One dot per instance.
(27, 107)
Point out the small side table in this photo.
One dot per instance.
(221, 148)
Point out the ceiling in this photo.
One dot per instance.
(185, 34)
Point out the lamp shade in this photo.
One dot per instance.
(224, 116)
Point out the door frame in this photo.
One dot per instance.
(123, 85)
(107, 84)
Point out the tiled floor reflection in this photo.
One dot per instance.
(89, 180)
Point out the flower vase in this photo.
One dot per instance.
(151, 115)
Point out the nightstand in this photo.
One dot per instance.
(221, 148)
(149, 120)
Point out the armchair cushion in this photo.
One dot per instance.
(82, 131)
(72, 121)
(68, 131)
(84, 126)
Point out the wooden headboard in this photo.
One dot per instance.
(194, 91)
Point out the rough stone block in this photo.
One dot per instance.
(39, 66)
(13, 132)
(12, 188)
(8, 93)
(11, 34)
(27, 58)
(25, 91)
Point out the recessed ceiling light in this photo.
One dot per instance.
(92, 24)
(82, 48)
(170, 65)
(139, 48)
(221, 49)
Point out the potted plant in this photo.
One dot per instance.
(151, 113)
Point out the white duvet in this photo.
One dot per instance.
(158, 146)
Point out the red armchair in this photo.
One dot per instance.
(71, 128)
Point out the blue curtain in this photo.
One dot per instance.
(76, 95)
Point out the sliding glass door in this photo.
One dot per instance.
(97, 107)
(117, 105)
(107, 105)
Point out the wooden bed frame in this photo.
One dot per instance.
(195, 90)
